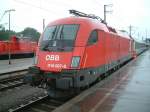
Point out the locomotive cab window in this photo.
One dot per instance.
(93, 37)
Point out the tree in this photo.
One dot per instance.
(32, 33)
(2, 27)
(5, 34)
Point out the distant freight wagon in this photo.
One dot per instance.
(17, 48)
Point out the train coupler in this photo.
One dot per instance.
(33, 77)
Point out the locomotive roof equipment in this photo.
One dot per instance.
(81, 14)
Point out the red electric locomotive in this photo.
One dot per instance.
(74, 52)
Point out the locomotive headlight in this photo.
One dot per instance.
(75, 61)
(36, 60)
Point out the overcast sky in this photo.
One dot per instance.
(30, 13)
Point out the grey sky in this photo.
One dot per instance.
(31, 12)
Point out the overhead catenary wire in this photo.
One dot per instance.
(35, 6)
(2, 16)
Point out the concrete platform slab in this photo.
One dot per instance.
(127, 90)
(16, 64)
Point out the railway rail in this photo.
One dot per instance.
(11, 79)
(11, 73)
(38, 104)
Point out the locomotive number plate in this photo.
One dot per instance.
(52, 57)
(57, 65)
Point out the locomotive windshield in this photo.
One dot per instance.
(59, 38)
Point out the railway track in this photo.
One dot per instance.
(38, 104)
(11, 79)
(11, 73)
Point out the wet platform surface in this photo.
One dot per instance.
(127, 90)
(16, 64)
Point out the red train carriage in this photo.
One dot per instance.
(16, 47)
(139, 47)
(73, 52)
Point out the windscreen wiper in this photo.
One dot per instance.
(61, 33)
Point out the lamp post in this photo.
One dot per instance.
(105, 10)
(9, 51)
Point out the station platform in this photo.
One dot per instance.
(127, 90)
(16, 64)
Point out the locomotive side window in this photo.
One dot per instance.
(93, 37)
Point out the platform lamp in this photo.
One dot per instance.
(9, 52)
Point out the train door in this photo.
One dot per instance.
(102, 51)
(107, 51)
(133, 52)
(92, 52)
(118, 50)
(95, 50)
